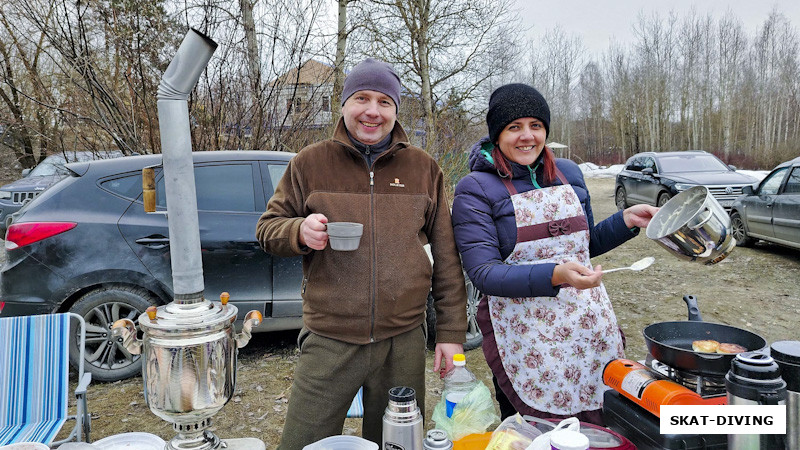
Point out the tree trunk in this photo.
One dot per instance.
(254, 67)
(338, 74)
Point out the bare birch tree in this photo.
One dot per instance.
(443, 49)
(732, 47)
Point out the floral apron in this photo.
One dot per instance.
(548, 353)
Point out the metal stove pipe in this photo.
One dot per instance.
(176, 147)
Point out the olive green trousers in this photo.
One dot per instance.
(329, 374)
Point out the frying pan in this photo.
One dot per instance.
(671, 342)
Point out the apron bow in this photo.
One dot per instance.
(558, 227)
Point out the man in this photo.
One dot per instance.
(363, 311)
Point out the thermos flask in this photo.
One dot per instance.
(787, 355)
(754, 379)
(402, 421)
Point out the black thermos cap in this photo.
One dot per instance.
(402, 394)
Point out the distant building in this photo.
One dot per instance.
(304, 96)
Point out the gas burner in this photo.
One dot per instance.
(706, 386)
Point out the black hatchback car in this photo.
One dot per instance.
(34, 181)
(771, 210)
(86, 245)
(655, 177)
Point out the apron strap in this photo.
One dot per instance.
(561, 177)
(511, 189)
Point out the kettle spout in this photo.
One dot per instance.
(252, 319)
(126, 329)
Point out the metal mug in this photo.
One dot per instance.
(693, 226)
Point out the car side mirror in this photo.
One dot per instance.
(25, 172)
(748, 190)
(648, 171)
(732, 167)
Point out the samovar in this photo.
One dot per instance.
(188, 364)
(189, 346)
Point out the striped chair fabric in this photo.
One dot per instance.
(34, 375)
(357, 406)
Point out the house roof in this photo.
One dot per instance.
(311, 72)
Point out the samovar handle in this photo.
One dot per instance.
(126, 329)
(252, 319)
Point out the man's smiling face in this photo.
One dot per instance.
(369, 116)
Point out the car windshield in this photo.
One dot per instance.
(52, 165)
(691, 163)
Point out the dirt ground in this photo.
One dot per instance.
(754, 288)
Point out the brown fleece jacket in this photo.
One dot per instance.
(380, 289)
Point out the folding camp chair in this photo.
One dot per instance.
(34, 375)
(357, 405)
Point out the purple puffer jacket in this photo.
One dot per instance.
(486, 230)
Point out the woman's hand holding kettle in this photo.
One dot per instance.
(638, 215)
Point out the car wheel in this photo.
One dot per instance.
(663, 198)
(105, 357)
(621, 198)
(474, 336)
(738, 231)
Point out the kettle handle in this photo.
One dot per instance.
(769, 398)
(772, 398)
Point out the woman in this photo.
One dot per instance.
(523, 224)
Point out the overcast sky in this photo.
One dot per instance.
(599, 23)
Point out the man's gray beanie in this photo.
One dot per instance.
(372, 75)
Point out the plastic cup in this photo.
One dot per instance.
(451, 400)
(344, 236)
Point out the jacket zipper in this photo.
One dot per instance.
(374, 254)
(373, 250)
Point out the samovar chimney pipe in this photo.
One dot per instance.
(189, 346)
(176, 147)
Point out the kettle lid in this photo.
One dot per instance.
(787, 355)
(786, 351)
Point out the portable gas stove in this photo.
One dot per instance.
(638, 390)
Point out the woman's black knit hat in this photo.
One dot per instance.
(512, 101)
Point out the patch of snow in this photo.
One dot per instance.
(760, 174)
(592, 170)
(595, 171)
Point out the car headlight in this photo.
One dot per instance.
(5, 195)
(683, 186)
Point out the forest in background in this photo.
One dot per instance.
(83, 76)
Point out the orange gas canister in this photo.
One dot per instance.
(640, 385)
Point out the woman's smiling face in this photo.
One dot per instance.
(522, 140)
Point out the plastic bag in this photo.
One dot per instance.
(543, 442)
(513, 434)
(473, 414)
